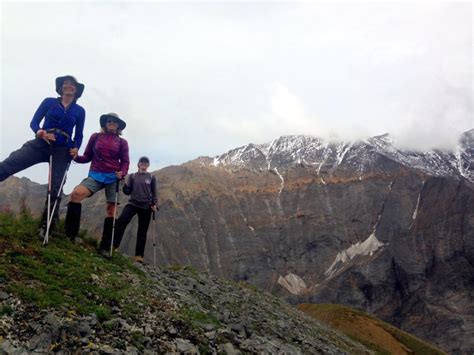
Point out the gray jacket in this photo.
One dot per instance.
(142, 190)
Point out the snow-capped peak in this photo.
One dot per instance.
(326, 156)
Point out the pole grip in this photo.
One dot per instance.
(117, 186)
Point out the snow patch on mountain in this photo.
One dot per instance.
(282, 184)
(367, 247)
(293, 283)
(415, 212)
(342, 150)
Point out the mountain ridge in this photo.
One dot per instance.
(314, 151)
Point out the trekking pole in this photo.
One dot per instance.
(48, 213)
(154, 240)
(115, 214)
(50, 218)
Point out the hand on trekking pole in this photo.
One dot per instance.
(154, 208)
(73, 152)
(118, 174)
(42, 134)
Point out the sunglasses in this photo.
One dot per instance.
(68, 82)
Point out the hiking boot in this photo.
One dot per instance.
(104, 253)
(138, 259)
(73, 219)
(107, 233)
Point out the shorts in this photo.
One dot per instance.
(93, 186)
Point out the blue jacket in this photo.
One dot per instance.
(56, 116)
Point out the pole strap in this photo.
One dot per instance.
(59, 131)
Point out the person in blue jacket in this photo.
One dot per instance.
(59, 117)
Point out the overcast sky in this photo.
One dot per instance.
(200, 78)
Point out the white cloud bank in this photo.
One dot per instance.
(201, 78)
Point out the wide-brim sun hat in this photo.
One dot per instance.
(60, 81)
(112, 115)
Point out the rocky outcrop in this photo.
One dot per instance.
(186, 312)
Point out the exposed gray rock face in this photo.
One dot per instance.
(16, 193)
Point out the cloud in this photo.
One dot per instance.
(441, 116)
(289, 113)
(197, 79)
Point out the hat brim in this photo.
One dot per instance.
(60, 82)
(121, 123)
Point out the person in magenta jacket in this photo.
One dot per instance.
(108, 153)
(53, 124)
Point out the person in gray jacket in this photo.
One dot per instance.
(141, 187)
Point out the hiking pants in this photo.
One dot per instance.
(143, 222)
(37, 151)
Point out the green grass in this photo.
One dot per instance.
(189, 269)
(6, 310)
(137, 340)
(199, 318)
(63, 274)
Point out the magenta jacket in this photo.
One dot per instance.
(108, 152)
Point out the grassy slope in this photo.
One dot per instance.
(372, 332)
(63, 274)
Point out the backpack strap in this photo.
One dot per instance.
(132, 180)
(93, 146)
(153, 189)
(120, 149)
